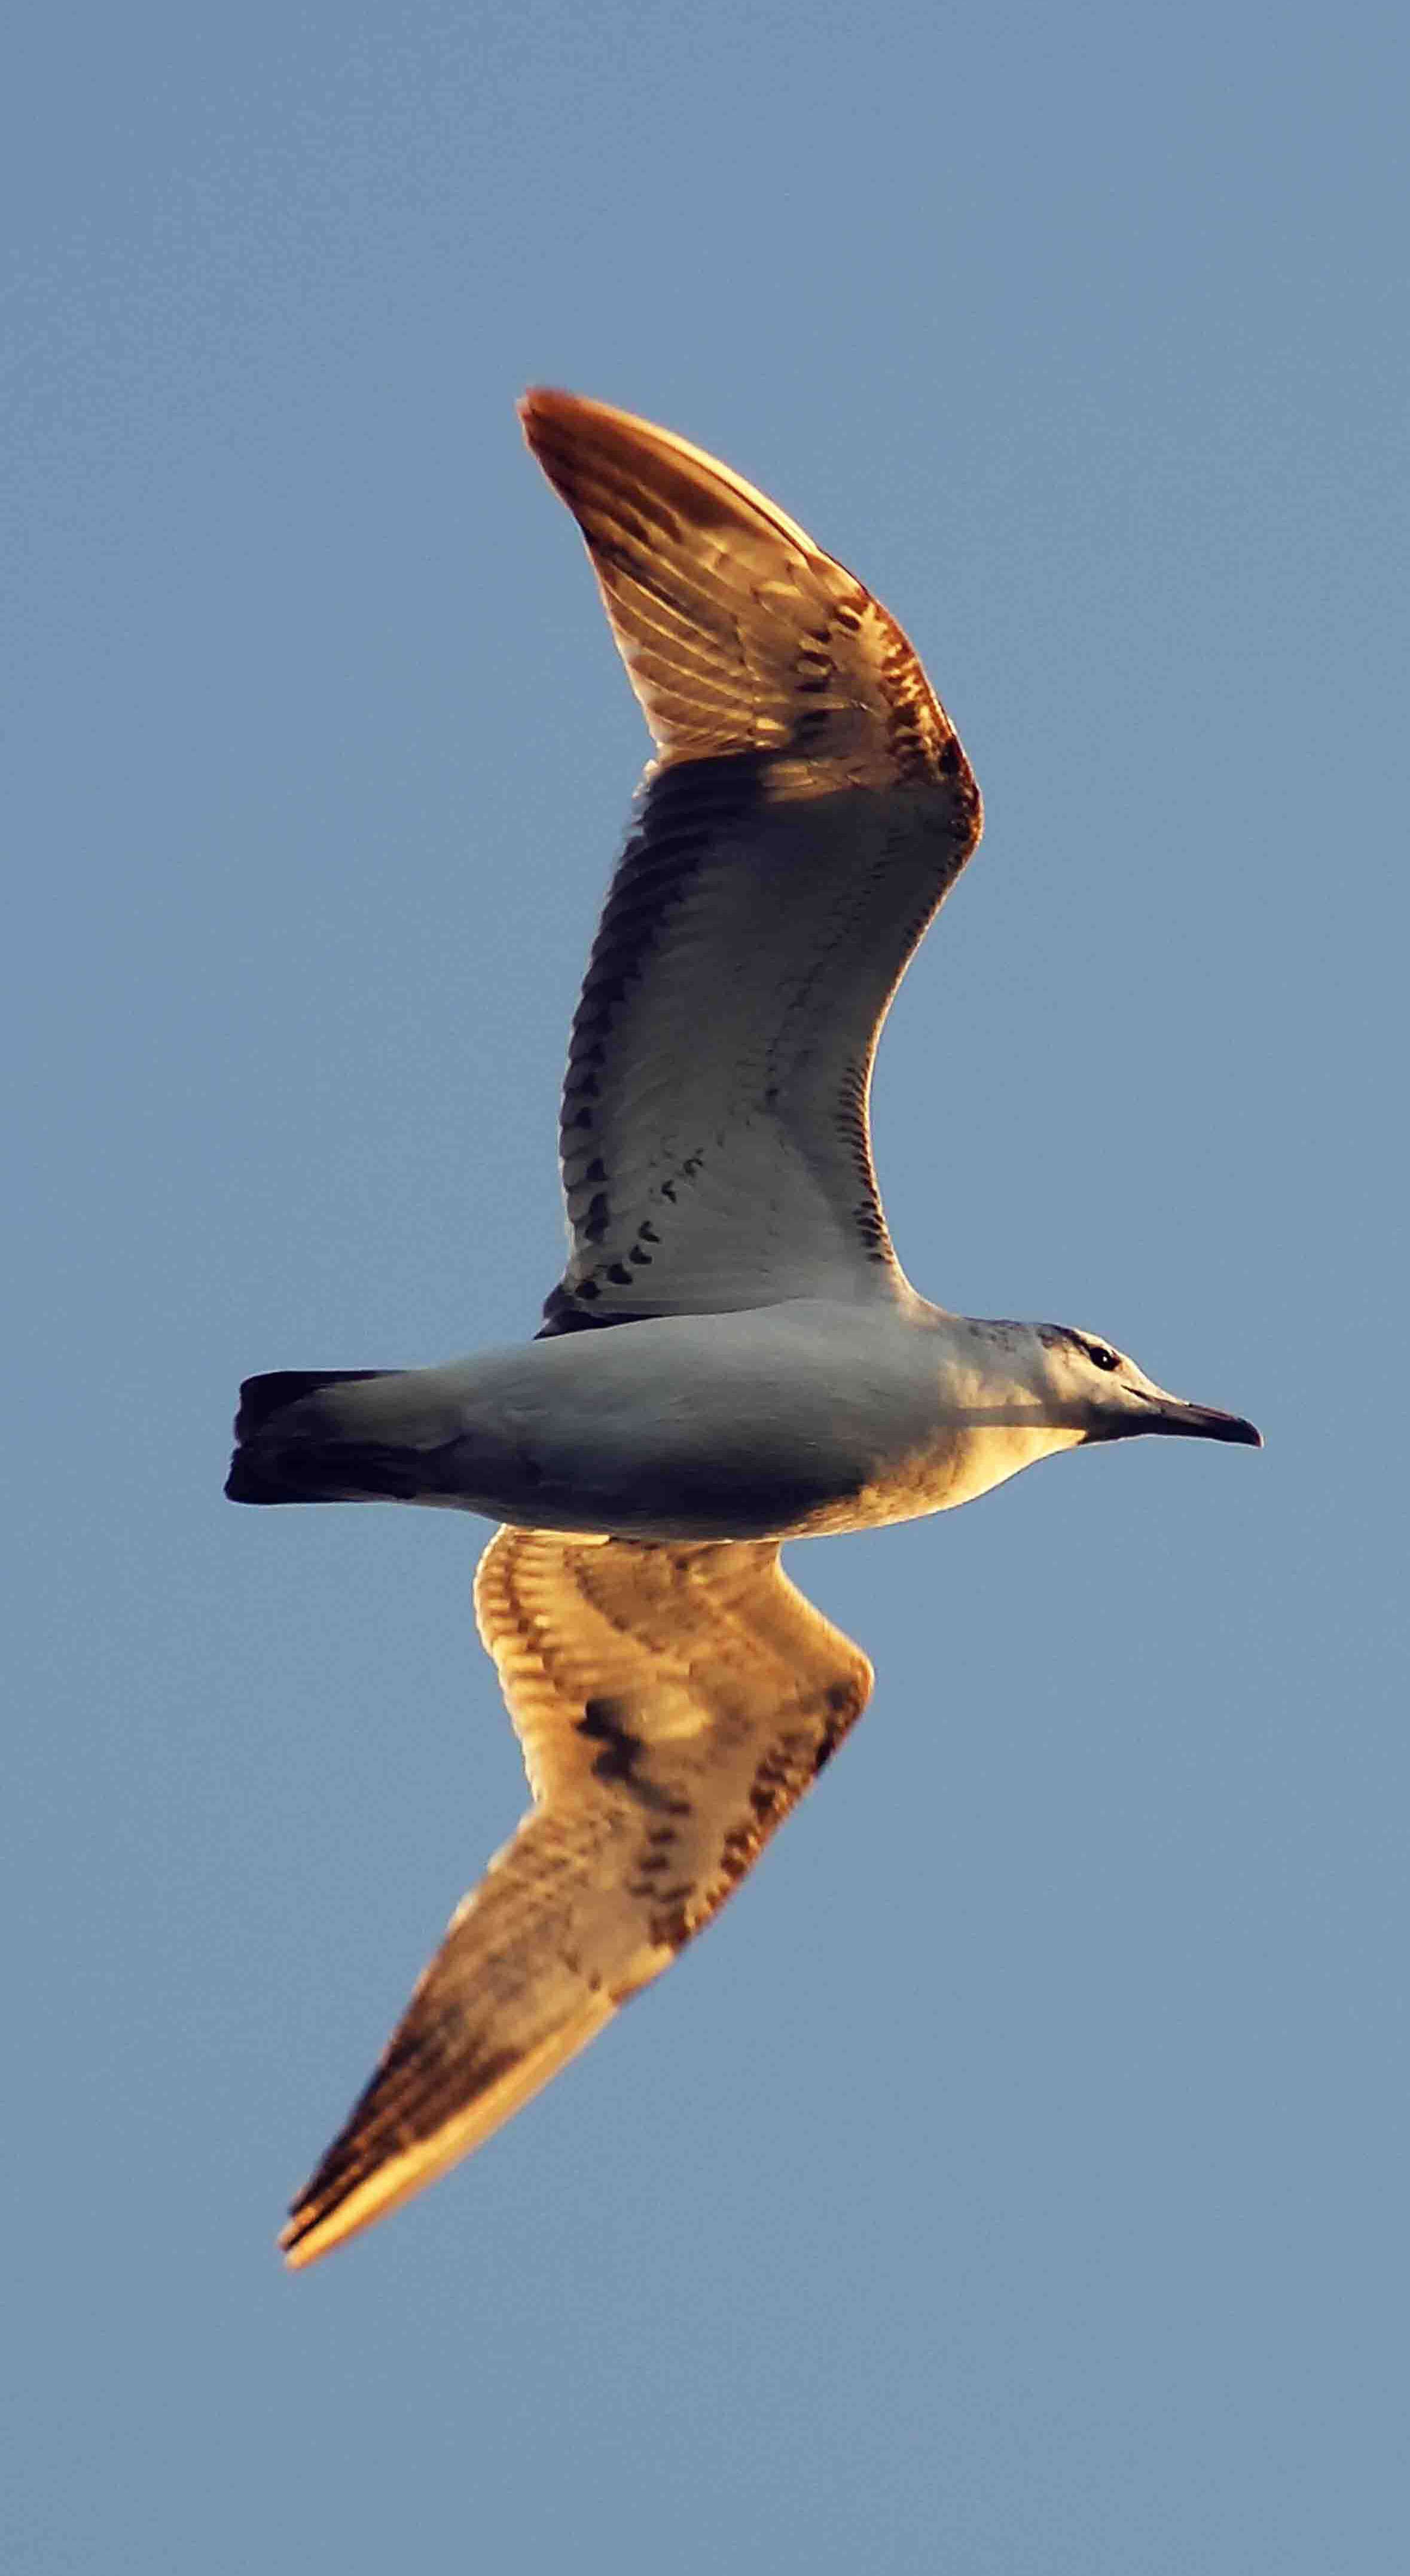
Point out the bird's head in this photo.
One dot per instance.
(1093, 1385)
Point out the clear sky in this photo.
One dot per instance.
(1013, 2181)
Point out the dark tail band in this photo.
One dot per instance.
(266, 1469)
(262, 1396)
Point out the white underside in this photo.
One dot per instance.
(805, 1416)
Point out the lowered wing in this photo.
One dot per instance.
(673, 1703)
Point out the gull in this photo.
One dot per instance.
(733, 1356)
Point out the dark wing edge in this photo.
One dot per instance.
(673, 1704)
(799, 745)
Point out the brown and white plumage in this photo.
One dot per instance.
(672, 1703)
(809, 808)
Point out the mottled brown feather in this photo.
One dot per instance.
(810, 808)
(673, 1703)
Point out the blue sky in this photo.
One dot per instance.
(1013, 2179)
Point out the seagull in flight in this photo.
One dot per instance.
(733, 1356)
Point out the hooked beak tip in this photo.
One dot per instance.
(1173, 1416)
(1206, 1422)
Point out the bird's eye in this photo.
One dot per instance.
(1101, 1357)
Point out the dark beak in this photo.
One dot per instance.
(1185, 1421)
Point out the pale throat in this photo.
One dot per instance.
(959, 1462)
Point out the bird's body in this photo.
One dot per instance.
(789, 1421)
(733, 1357)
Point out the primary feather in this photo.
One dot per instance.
(672, 1704)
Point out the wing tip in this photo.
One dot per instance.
(339, 2202)
(544, 402)
(547, 412)
(297, 2246)
(549, 415)
(316, 2224)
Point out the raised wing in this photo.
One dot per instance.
(810, 808)
(673, 1703)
